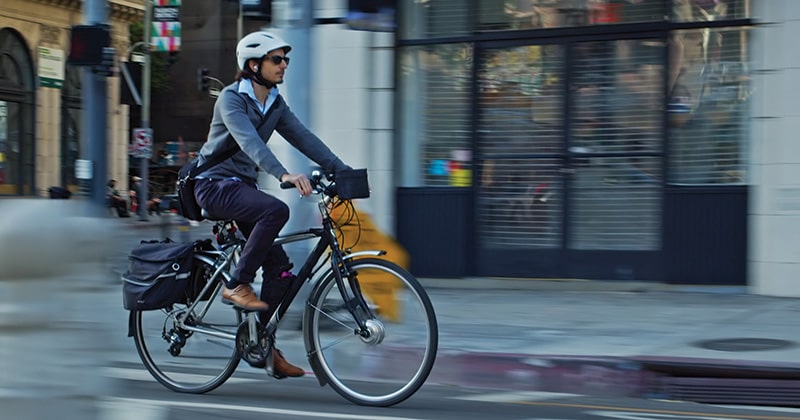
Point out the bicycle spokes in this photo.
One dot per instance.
(386, 360)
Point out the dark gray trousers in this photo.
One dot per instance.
(258, 215)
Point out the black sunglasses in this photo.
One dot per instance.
(277, 59)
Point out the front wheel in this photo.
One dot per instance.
(393, 361)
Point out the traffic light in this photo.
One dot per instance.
(202, 79)
(87, 43)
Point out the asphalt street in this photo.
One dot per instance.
(62, 323)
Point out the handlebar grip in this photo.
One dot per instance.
(287, 185)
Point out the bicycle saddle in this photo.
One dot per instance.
(209, 216)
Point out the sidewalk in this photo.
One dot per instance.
(715, 344)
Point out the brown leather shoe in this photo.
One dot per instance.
(244, 296)
(283, 368)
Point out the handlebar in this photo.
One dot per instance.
(320, 184)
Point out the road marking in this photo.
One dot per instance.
(689, 414)
(629, 415)
(144, 375)
(761, 408)
(506, 397)
(130, 410)
(264, 410)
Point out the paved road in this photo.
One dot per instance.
(62, 321)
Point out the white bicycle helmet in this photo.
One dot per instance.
(257, 45)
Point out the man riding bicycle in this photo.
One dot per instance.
(246, 114)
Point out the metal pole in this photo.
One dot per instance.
(240, 22)
(293, 18)
(144, 161)
(95, 114)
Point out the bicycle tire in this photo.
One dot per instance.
(204, 362)
(363, 372)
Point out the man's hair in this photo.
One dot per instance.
(247, 73)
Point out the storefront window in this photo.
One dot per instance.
(422, 19)
(536, 14)
(709, 87)
(436, 128)
(708, 10)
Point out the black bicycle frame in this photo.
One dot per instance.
(327, 240)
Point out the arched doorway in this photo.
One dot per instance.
(17, 153)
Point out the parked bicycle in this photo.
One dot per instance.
(369, 359)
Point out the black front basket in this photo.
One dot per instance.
(352, 183)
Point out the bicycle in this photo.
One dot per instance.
(196, 346)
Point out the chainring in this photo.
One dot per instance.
(253, 353)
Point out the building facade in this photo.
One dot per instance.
(40, 105)
(621, 140)
(601, 139)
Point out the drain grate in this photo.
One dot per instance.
(744, 344)
(784, 393)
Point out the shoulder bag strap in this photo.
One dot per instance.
(218, 158)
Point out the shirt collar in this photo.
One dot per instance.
(246, 87)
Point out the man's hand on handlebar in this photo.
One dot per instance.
(300, 181)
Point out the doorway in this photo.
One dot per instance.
(17, 154)
(570, 153)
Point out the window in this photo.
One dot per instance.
(436, 128)
(708, 10)
(536, 14)
(422, 19)
(709, 87)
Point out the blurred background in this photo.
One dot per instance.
(619, 140)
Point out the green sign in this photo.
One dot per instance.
(51, 67)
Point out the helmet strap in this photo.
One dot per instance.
(257, 78)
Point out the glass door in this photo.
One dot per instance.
(615, 147)
(520, 150)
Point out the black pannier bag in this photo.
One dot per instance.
(158, 274)
(200, 274)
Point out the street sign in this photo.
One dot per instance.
(142, 146)
(83, 169)
(166, 26)
(51, 67)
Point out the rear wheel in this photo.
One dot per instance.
(185, 360)
(393, 361)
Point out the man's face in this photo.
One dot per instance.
(273, 66)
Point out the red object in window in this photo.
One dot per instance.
(606, 13)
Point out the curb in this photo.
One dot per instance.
(710, 381)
